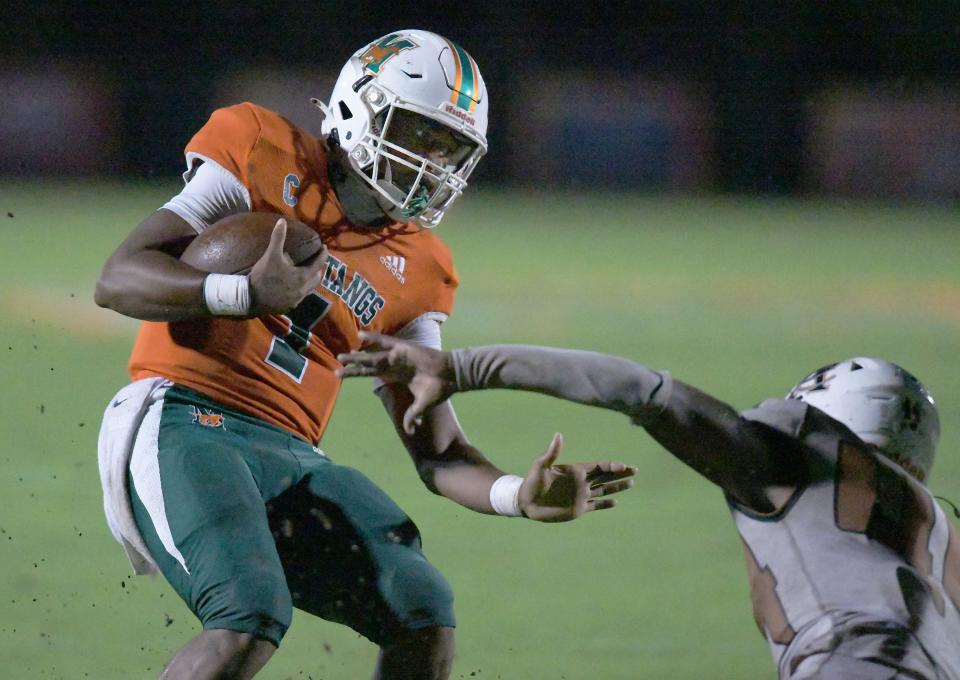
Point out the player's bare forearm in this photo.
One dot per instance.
(144, 279)
(446, 462)
(462, 474)
(450, 466)
(153, 287)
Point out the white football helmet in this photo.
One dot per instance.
(410, 110)
(882, 404)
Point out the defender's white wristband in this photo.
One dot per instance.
(505, 495)
(227, 294)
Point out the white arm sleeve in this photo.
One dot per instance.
(423, 331)
(212, 192)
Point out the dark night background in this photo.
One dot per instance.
(755, 67)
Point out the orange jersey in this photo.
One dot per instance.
(280, 368)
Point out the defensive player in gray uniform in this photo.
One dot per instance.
(854, 568)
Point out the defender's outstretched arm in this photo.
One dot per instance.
(702, 431)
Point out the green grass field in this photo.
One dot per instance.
(741, 297)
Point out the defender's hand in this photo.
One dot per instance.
(428, 373)
(277, 285)
(559, 493)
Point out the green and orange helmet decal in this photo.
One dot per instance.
(377, 53)
(464, 81)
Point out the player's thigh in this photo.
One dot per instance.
(201, 515)
(351, 555)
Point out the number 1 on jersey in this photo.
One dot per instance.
(285, 352)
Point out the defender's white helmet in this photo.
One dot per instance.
(882, 404)
(410, 110)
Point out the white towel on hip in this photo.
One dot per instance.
(118, 433)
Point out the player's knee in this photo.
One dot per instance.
(257, 607)
(423, 595)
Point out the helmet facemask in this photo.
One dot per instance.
(410, 111)
(417, 165)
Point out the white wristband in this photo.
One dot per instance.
(505, 495)
(227, 294)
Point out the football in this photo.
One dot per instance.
(235, 243)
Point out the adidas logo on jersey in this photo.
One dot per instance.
(395, 266)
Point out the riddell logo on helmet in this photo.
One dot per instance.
(460, 113)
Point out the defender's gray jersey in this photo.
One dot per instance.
(860, 553)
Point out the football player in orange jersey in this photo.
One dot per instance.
(208, 459)
(854, 569)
